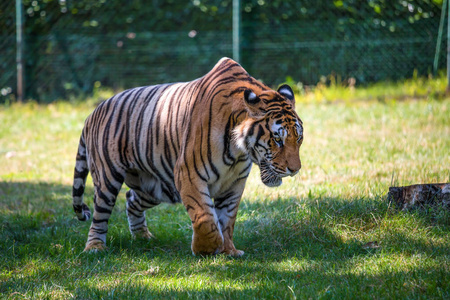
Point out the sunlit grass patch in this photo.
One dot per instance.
(336, 89)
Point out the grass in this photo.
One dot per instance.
(334, 88)
(305, 239)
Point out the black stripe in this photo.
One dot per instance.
(196, 167)
(77, 208)
(133, 207)
(140, 223)
(209, 153)
(96, 221)
(132, 213)
(78, 192)
(102, 210)
(228, 158)
(246, 169)
(201, 156)
(122, 101)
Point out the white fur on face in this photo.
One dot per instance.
(279, 131)
(299, 129)
(239, 137)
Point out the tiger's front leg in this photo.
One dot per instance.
(207, 238)
(226, 207)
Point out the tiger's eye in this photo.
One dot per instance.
(278, 141)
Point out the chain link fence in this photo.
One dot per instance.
(72, 46)
(8, 75)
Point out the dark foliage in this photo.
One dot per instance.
(70, 45)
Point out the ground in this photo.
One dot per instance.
(307, 238)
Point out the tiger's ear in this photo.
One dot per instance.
(253, 103)
(286, 91)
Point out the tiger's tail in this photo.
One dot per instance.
(79, 181)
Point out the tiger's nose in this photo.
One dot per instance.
(291, 172)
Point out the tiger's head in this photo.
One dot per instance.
(271, 134)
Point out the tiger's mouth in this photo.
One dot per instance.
(268, 176)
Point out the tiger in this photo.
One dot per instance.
(189, 142)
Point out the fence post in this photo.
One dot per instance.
(236, 30)
(439, 38)
(19, 50)
(448, 50)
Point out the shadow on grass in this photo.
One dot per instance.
(335, 229)
(305, 227)
(39, 232)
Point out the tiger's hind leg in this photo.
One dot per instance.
(136, 215)
(107, 186)
(139, 199)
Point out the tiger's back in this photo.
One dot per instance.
(136, 131)
(172, 143)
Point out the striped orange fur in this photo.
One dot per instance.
(191, 142)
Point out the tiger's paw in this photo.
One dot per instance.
(206, 246)
(229, 249)
(95, 246)
(233, 253)
(205, 250)
(142, 233)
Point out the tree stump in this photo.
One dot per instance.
(419, 195)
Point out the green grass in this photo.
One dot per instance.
(333, 88)
(302, 240)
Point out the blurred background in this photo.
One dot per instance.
(70, 48)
